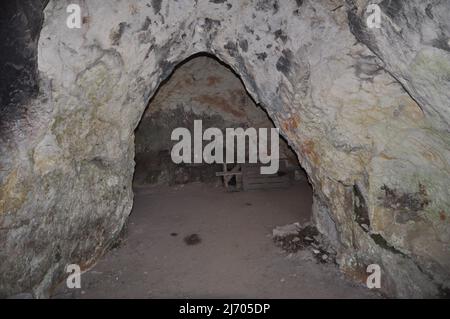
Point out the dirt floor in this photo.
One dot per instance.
(197, 241)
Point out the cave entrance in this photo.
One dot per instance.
(195, 216)
(201, 94)
(196, 232)
(193, 219)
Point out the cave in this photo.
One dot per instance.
(188, 214)
(85, 148)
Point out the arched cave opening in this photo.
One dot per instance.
(200, 230)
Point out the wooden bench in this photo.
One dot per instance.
(249, 177)
(228, 176)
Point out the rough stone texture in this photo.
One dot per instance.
(20, 25)
(414, 45)
(365, 111)
(201, 88)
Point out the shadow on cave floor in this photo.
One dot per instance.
(198, 241)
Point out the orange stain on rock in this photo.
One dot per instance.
(220, 103)
(356, 273)
(213, 80)
(308, 149)
(291, 124)
(133, 9)
(386, 157)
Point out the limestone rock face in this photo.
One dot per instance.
(365, 110)
(20, 28)
(414, 45)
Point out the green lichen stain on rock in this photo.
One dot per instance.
(13, 193)
(430, 64)
(70, 130)
(96, 84)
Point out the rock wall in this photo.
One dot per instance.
(20, 25)
(366, 111)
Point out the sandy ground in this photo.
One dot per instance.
(235, 258)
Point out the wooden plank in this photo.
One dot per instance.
(252, 179)
(265, 186)
(262, 181)
(268, 182)
(228, 173)
(266, 176)
(249, 176)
